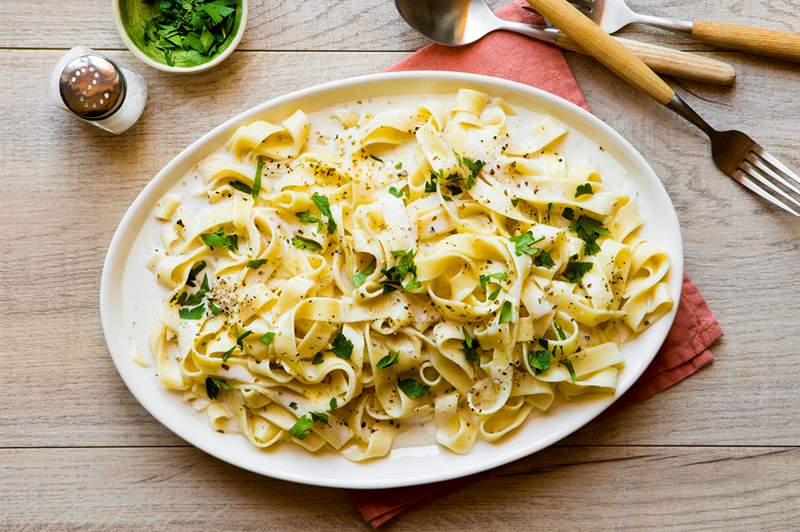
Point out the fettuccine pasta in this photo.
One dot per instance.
(427, 264)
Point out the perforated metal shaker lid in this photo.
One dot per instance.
(92, 87)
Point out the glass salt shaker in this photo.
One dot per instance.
(97, 90)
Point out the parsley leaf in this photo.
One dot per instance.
(430, 185)
(589, 230)
(194, 313)
(484, 279)
(474, 167)
(506, 313)
(470, 347)
(397, 193)
(522, 243)
(397, 273)
(219, 239)
(324, 207)
(197, 268)
(568, 364)
(213, 386)
(241, 187)
(361, 275)
(560, 331)
(302, 428)
(317, 359)
(388, 360)
(226, 355)
(398, 166)
(307, 218)
(341, 346)
(575, 270)
(586, 188)
(568, 213)
(412, 388)
(267, 338)
(255, 264)
(539, 360)
(543, 259)
(306, 243)
(293, 405)
(319, 417)
(376, 158)
(257, 180)
(214, 308)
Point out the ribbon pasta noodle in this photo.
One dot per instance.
(427, 264)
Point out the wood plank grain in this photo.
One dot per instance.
(572, 488)
(337, 25)
(66, 185)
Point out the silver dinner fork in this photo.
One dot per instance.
(736, 154)
(613, 15)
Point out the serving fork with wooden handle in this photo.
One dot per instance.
(613, 15)
(736, 154)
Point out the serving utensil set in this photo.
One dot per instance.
(584, 26)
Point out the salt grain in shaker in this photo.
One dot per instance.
(97, 90)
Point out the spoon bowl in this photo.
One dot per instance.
(449, 22)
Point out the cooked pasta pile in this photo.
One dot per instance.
(423, 264)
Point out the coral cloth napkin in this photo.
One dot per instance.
(686, 349)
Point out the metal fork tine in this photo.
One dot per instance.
(769, 180)
(764, 189)
(767, 156)
(582, 3)
(753, 159)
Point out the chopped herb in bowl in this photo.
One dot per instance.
(181, 33)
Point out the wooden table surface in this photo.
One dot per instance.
(719, 451)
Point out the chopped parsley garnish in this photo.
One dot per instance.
(341, 346)
(539, 360)
(257, 179)
(214, 308)
(197, 268)
(485, 279)
(474, 167)
(306, 243)
(190, 32)
(454, 190)
(568, 364)
(267, 338)
(506, 313)
(241, 337)
(575, 270)
(586, 188)
(430, 185)
(397, 193)
(560, 331)
(376, 158)
(319, 417)
(192, 313)
(361, 275)
(213, 386)
(589, 230)
(544, 259)
(218, 239)
(568, 213)
(228, 353)
(398, 166)
(317, 359)
(388, 360)
(302, 428)
(293, 405)
(514, 201)
(241, 187)
(324, 207)
(471, 346)
(396, 274)
(412, 388)
(255, 264)
(333, 404)
(307, 218)
(522, 243)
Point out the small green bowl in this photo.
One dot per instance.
(128, 17)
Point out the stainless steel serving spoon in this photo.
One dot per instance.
(461, 22)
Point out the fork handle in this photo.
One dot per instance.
(668, 61)
(604, 48)
(761, 41)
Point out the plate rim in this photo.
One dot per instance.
(117, 241)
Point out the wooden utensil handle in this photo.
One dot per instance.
(668, 61)
(603, 47)
(761, 41)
